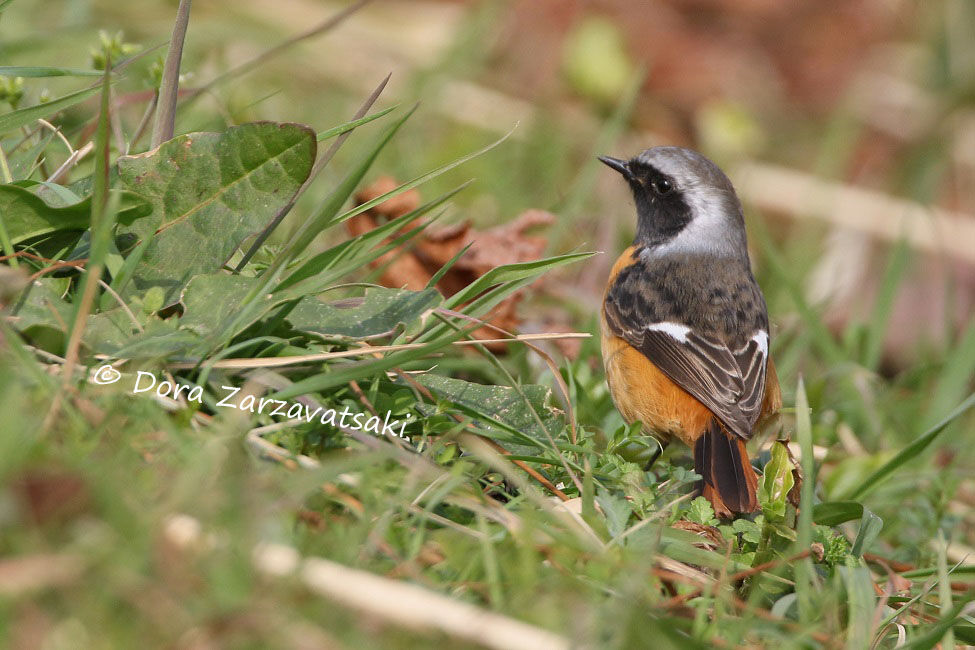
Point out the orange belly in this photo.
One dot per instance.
(643, 393)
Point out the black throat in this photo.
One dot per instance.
(660, 216)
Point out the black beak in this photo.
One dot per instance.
(618, 165)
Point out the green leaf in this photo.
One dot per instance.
(43, 306)
(870, 527)
(834, 513)
(777, 480)
(45, 71)
(26, 215)
(617, 510)
(24, 116)
(210, 301)
(861, 602)
(501, 408)
(701, 512)
(210, 191)
(749, 530)
(354, 124)
(379, 313)
(512, 273)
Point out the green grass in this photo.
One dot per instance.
(129, 520)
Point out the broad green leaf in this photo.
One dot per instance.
(45, 71)
(160, 339)
(43, 306)
(209, 301)
(501, 408)
(26, 215)
(210, 191)
(24, 116)
(114, 332)
(379, 313)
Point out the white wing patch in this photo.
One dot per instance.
(676, 331)
(761, 338)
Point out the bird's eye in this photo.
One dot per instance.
(662, 186)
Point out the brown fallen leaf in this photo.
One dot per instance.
(413, 267)
(711, 537)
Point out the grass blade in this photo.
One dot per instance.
(910, 452)
(34, 71)
(24, 116)
(944, 589)
(342, 129)
(327, 25)
(511, 273)
(861, 602)
(102, 215)
(316, 169)
(165, 123)
(350, 251)
(897, 266)
(321, 218)
(804, 570)
(419, 180)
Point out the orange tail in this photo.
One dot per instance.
(730, 483)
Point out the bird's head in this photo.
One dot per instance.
(685, 203)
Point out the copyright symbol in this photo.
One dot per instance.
(106, 375)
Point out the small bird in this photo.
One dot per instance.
(685, 335)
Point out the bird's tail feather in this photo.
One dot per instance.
(729, 482)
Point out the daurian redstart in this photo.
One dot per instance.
(685, 336)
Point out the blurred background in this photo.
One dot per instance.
(846, 125)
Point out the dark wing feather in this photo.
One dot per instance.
(730, 383)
